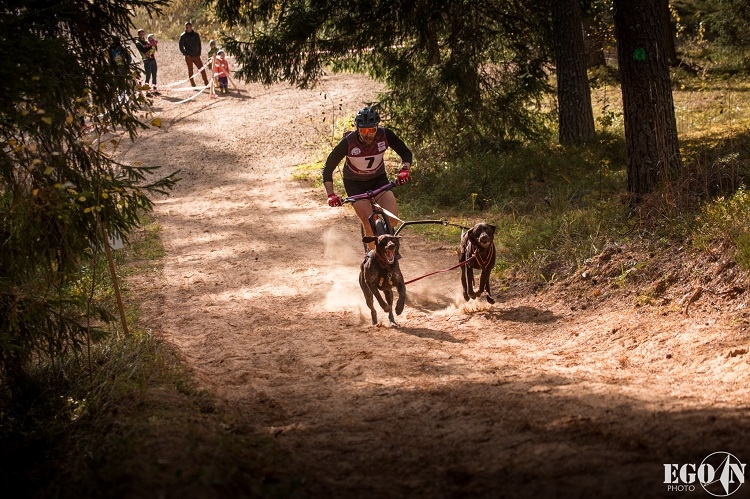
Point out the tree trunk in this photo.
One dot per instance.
(652, 147)
(576, 118)
(668, 28)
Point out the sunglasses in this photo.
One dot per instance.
(368, 131)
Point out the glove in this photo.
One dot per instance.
(403, 176)
(334, 200)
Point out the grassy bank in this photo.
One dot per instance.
(557, 207)
(127, 419)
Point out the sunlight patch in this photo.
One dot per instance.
(254, 293)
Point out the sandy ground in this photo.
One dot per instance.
(534, 396)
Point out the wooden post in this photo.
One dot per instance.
(114, 279)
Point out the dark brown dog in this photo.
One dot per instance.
(477, 245)
(380, 272)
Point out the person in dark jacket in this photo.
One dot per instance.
(364, 169)
(147, 48)
(190, 46)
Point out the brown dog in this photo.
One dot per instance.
(380, 272)
(478, 246)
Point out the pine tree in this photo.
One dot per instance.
(460, 74)
(576, 117)
(59, 186)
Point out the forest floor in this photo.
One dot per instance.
(587, 387)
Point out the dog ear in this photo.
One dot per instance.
(493, 228)
(369, 239)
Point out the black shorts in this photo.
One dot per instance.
(354, 187)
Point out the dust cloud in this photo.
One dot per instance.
(344, 258)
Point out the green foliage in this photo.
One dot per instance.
(522, 179)
(461, 75)
(473, 78)
(729, 20)
(96, 420)
(550, 204)
(170, 23)
(599, 23)
(59, 187)
(712, 37)
(727, 219)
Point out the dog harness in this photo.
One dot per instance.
(384, 266)
(484, 263)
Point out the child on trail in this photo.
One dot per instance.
(221, 71)
(152, 43)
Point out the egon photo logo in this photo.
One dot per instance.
(720, 474)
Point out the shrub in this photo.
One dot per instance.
(727, 219)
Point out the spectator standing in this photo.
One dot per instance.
(147, 48)
(153, 47)
(190, 46)
(119, 56)
(211, 56)
(211, 52)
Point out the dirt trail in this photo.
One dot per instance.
(529, 397)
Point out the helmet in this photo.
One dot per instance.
(367, 117)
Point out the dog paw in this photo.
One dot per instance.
(472, 295)
(399, 308)
(490, 300)
(466, 296)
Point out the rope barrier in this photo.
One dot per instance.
(167, 87)
(194, 96)
(186, 89)
(175, 83)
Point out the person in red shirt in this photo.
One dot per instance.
(364, 168)
(221, 71)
